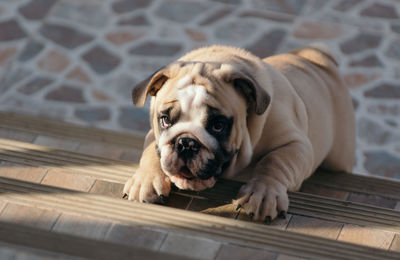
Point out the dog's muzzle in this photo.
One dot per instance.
(187, 147)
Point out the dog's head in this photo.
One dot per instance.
(199, 112)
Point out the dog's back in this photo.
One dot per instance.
(313, 73)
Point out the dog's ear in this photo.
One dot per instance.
(257, 98)
(151, 86)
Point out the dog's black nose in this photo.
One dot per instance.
(187, 147)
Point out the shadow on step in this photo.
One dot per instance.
(45, 206)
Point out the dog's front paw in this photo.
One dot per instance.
(147, 187)
(263, 200)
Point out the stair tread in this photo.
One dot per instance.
(51, 127)
(211, 227)
(301, 204)
(103, 139)
(119, 171)
(37, 158)
(57, 244)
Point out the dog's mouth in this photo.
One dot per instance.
(186, 173)
(187, 178)
(196, 172)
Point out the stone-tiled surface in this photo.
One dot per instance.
(396, 244)
(136, 236)
(193, 247)
(366, 236)
(153, 238)
(321, 191)
(238, 252)
(17, 135)
(77, 60)
(315, 227)
(82, 226)
(24, 173)
(56, 143)
(29, 216)
(373, 200)
(62, 179)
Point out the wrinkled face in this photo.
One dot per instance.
(193, 141)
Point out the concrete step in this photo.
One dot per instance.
(55, 132)
(46, 169)
(170, 219)
(50, 127)
(43, 244)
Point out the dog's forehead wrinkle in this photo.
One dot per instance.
(193, 63)
(184, 82)
(198, 68)
(199, 71)
(192, 97)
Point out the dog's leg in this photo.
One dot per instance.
(264, 196)
(149, 183)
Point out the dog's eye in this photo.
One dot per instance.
(218, 125)
(165, 122)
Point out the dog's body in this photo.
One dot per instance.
(221, 111)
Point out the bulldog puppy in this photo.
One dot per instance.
(220, 111)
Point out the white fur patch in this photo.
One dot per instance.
(192, 97)
(184, 82)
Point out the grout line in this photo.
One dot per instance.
(35, 139)
(109, 231)
(348, 196)
(44, 175)
(288, 223)
(166, 234)
(391, 243)
(55, 222)
(189, 204)
(91, 186)
(110, 226)
(3, 208)
(340, 232)
(219, 251)
(78, 147)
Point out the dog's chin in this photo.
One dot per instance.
(192, 183)
(184, 179)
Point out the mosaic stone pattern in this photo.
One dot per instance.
(77, 60)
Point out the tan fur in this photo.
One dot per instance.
(309, 122)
